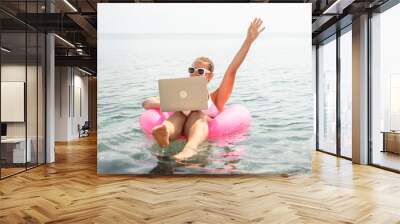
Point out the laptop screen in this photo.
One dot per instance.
(3, 129)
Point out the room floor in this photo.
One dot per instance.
(387, 159)
(70, 191)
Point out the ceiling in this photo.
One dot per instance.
(76, 21)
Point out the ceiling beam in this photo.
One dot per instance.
(337, 6)
(86, 26)
(82, 61)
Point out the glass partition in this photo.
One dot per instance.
(22, 77)
(31, 99)
(327, 96)
(14, 153)
(41, 107)
(385, 89)
(32, 86)
(346, 93)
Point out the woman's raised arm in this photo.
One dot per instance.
(222, 94)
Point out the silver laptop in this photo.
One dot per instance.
(183, 94)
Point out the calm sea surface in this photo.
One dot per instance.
(274, 83)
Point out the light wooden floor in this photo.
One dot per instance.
(387, 159)
(70, 191)
(10, 171)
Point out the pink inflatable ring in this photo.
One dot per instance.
(233, 120)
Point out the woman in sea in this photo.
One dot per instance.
(194, 124)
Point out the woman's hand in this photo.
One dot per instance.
(254, 30)
(151, 103)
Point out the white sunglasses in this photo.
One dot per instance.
(200, 71)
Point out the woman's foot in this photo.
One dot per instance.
(160, 133)
(186, 153)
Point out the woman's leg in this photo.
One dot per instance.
(196, 130)
(170, 129)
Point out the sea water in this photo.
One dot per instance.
(274, 83)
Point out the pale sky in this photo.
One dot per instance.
(201, 17)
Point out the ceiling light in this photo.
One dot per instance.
(79, 51)
(84, 71)
(70, 5)
(338, 6)
(5, 50)
(65, 41)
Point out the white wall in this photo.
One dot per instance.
(79, 117)
(70, 83)
(17, 73)
(62, 82)
(14, 73)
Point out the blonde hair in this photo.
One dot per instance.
(207, 60)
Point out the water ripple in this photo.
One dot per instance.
(278, 95)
